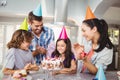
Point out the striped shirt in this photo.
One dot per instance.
(46, 37)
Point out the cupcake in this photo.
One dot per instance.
(16, 75)
(23, 73)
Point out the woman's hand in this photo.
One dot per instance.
(79, 49)
(91, 67)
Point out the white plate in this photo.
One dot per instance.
(32, 72)
(118, 73)
(29, 77)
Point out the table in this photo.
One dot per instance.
(110, 75)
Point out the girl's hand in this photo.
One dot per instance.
(55, 72)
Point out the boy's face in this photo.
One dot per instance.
(25, 45)
(36, 26)
(61, 47)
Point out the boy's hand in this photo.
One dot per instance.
(28, 66)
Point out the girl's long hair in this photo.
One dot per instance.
(68, 53)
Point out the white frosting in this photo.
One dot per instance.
(23, 72)
(52, 64)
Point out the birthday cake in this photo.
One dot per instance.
(52, 64)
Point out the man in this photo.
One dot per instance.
(43, 36)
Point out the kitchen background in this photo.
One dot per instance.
(57, 13)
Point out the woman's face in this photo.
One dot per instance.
(87, 32)
(61, 46)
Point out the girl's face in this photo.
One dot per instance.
(25, 45)
(87, 32)
(61, 46)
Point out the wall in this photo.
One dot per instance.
(16, 10)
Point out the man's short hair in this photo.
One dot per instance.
(32, 17)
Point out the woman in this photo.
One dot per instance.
(97, 46)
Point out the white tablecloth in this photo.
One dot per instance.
(46, 75)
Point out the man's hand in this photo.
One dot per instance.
(41, 50)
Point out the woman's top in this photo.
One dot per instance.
(104, 57)
(18, 58)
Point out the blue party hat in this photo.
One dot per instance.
(38, 11)
(100, 74)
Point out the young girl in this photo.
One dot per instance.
(63, 50)
(19, 56)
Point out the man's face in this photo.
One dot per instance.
(36, 27)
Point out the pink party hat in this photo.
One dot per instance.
(63, 34)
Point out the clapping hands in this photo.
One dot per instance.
(40, 49)
(79, 49)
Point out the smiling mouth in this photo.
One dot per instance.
(37, 30)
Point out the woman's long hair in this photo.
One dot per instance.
(102, 28)
(68, 53)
